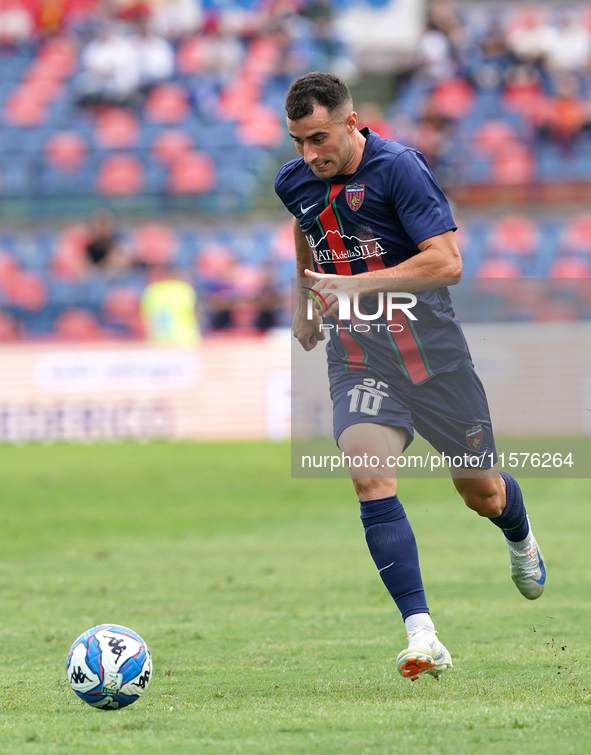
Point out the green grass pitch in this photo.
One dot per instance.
(269, 627)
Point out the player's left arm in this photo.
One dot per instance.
(437, 264)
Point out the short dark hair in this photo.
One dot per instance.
(316, 88)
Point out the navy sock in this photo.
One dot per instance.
(393, 547)
(513, 520)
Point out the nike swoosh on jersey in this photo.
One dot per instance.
(304, 210)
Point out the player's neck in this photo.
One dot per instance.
(354, 162)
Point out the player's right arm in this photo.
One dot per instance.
(307, 332)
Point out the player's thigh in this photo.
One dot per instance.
(372, 427)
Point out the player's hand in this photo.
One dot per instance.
(308, 332)
(347, 283)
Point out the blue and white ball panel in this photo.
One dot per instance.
(109, 666)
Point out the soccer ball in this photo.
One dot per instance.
(109, 666)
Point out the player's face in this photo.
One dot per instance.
(325, 141)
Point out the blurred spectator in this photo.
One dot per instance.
(434, 56)
(16, 23)
(329, 53)
(492, 61)
(168, 308)
(217, 272)
(155, 56)
(570, 45)
(533, 38)
(110, 70)
(103, 249)
(267, 303)
(176, 18)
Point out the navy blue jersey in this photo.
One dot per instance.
(370, 220)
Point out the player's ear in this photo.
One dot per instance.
(351, 121)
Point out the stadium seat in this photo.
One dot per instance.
(513, 165)
(78, 325)
(66, 151)
(116, 128)
(453, 99)
(498, 267)
(570, 267)
(23, 109)
(192, 56)
(192, 173)
(167, 103)
(260, 127)
(154, 244)
(57, 58)
(120, 174)
(25, 290)
(44, 89)
(261, 57)
(171, 144)
(577, 234)
(238, 98)
(493, 135)
(514, 234)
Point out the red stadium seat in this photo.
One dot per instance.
(120, 174)
(57, 58)
(498, 268)
(260, 127)
(43, 89)
(26, 290)
(193, 173)
(192, 55)
(23, 109)
(213, 262)
(493, 135)
(261, 57)
(154, 243)
(171, 144)
(453, 98)
(77, 325)
(116, 129)
(238, 98)
(514, 234)
(577, 234)
(167, 103)
(513, 165)
(570, 267)
(66, 151)
(8, 265)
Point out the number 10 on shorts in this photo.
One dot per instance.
(371, 398)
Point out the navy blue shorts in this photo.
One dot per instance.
(450, 410)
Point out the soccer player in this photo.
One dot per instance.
(370, 219)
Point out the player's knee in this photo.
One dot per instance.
(485, 503)
(373, 488)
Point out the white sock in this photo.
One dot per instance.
(419, 620)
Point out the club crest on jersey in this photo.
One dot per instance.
(354, 194)
(474, 437)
